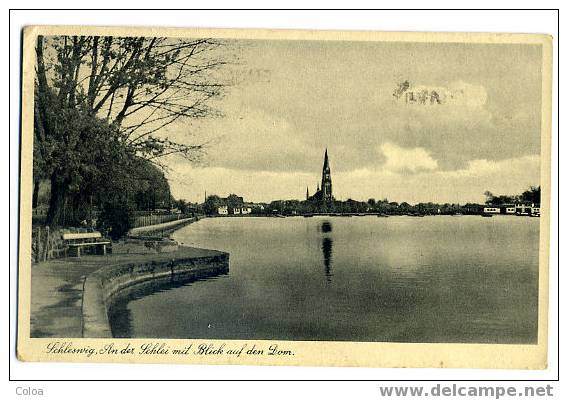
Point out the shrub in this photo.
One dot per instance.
(116, 219)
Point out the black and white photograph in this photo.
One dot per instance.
(308, 187)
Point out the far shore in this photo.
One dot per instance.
(362, 215)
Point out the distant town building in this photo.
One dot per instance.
(508, 209)
(523, 209)
(513, 209)
(223, 210)
(227, 207)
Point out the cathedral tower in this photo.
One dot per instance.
(326, 181)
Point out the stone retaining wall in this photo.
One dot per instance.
(101, 286)
(161, 229)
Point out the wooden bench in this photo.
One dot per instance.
(77, 241)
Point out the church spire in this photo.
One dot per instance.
(325, 161)
(326, 180)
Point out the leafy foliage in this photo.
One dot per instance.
(532, 195)
(116, 219)
(101, 105)
(211, 204)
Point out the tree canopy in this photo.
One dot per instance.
(103, 103)
(531, 195)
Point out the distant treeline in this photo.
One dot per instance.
(530, 196)
(350, 206)
(291, 207)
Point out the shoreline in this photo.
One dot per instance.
(162, 229)
(101, 287)
(70, 297)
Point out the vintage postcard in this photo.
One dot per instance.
(314, 198)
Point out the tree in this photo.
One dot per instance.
(234, 201)
(532, 195)
(211, 204)
(136, 85)
(84, 154)
(183, 206)
(116, 219)
(151, 189)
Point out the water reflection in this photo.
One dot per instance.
(327, 249)
(326, 227)
(462, 287)
(119, 314)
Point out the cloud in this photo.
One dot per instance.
(250, 138)
(399, 159)
(339, 95)
(191, 183)
(510, 176)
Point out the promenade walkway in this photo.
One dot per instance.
(163, 227)
(57, 287)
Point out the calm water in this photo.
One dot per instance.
(404, 279)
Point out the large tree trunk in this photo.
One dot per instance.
(56, 215)
(35, 195)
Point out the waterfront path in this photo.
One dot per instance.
(164, 227)
(57, 287)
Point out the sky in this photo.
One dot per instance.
(293, 99)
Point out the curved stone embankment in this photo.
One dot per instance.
(101, 286)
(163, 228)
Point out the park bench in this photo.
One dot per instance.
(77, 241)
